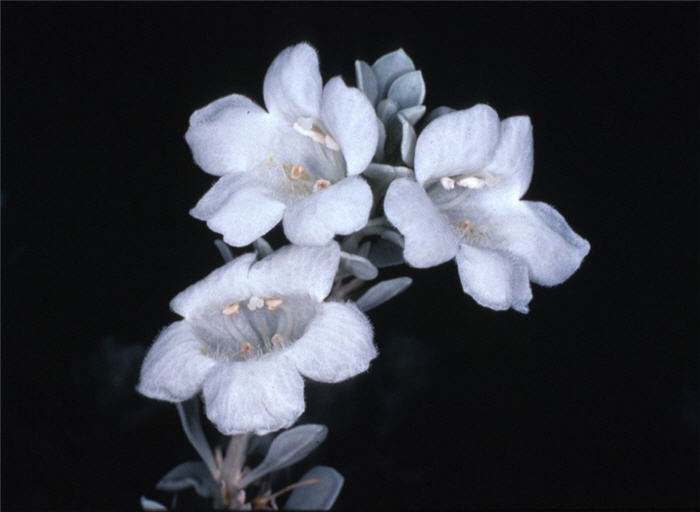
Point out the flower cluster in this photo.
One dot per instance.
(332, 161)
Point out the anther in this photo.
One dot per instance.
(273, 304)
(331, 143)
(245, 348)
(471, 182)
(296, 172)
(447, 183)
(321, 184)
(231, 309)
(277, 340)
(255, 303)
(465, 225)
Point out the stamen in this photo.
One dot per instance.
(277, 340)
(308, 132)
(321, 184)
(471, 182)
(273, 304)
(231, 309)
(245, 349)
(447, 183)
(296, 172)
(331, 143)
(465, 225)
(255, 303)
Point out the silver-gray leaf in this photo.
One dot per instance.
(318, 496)
(437, 112)
(358, 266)
(408, 141)
(385, 254)
(389, 67)
(366, 80)
(150, 505)
(381, 140)
(192, 425)
(382, 292)
(408, 90)
(262, 247)
(413, 114)
(190, 474)
(289, 447)
(386, 110)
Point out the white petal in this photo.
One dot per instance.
(537, 233)
(229, 135)
(246, 215)
(459, 142)
(340, 209)
(337, 344)
(175, 366)
(494, 279)
(513, 158)
(212, 201)
(292, 86)
(256, 396)
(429, 239)
(296, 270)
(350, 118)
(226, 284)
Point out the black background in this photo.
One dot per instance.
(590, 400)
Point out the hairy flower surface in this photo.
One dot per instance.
(471, 171)
(298, 161)
(251, 330)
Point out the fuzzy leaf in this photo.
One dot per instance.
(386, 110)
(288, 448)
(192, 425)
(389, 67)
(385, 254)
(318, 496)
(150, 505)
(408, 90)
(437, 112)
(382, 292)
(366, 80)
(359, 266)
(408, 141)
(413, 114)
(189, 474)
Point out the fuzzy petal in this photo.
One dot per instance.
(494, 279)
(429, 239)
(256, 396)
(296, 270)
(538, 234)
(229, 135)
(350, 118)
(459, 142)
(246, 215)
(226, 284)
(513, 158)
(340, 209)
(336, 346)
(175, 367)
(292, 86)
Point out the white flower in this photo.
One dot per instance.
(298, 161)
(250, 331)
(471, 172)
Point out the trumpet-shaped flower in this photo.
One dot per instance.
(250, 331)
(471, 171)
(298, 161)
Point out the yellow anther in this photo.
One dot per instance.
(231, 309)
(273, 304)
(321, 184)
(296, 172)
(245, 348)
